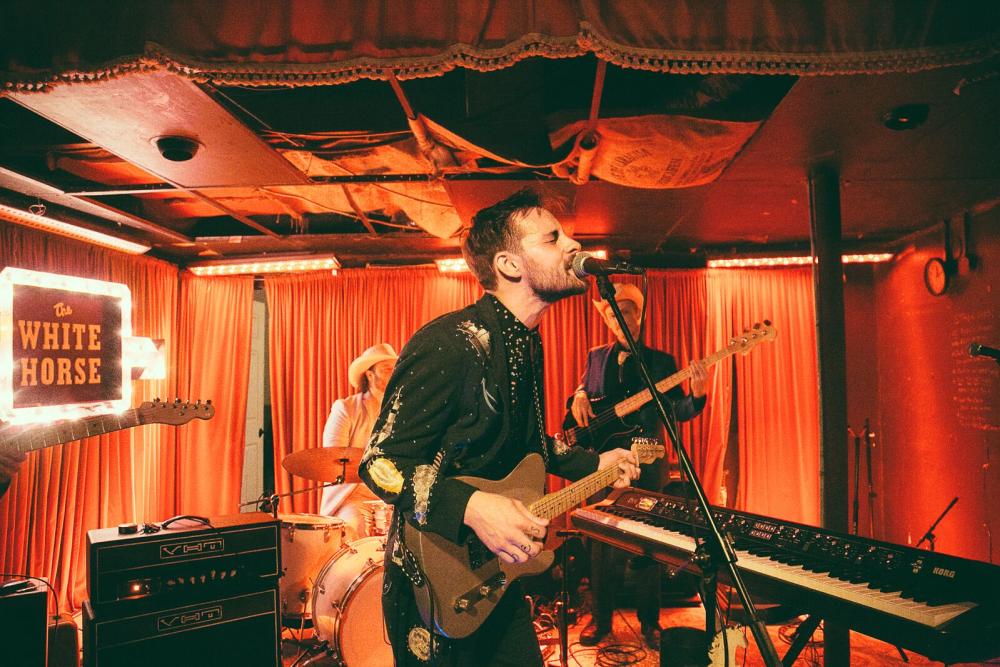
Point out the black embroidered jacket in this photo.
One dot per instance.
(465, 398)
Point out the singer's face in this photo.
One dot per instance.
(631, 313)
(547, 257)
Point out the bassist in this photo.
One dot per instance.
(609, 377)
(466, 398)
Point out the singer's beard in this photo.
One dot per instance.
(553, 283)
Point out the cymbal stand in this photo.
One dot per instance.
(716, 545)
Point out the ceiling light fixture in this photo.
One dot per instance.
(763, 262)
(44, 223)
(270, 265)
(906, 117)
(452, 265)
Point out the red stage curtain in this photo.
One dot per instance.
(318, 323)
(777, 395)
(244, 42)
(62, 491)
(214, 363)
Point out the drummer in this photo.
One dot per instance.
(350, 424)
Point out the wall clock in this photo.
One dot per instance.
(936, 276)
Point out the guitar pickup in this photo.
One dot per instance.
(468, 601)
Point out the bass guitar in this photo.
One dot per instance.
(462, 583)
(29, 437)
(611, 422)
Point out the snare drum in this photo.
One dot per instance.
(347, 605)
(307, 541)
(378, 517)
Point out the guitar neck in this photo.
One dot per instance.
(558, 502)
(30, 438)
(636, 401)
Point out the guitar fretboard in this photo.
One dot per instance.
(66, 431)
(560, 501)
(636, 401)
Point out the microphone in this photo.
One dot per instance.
(585, 264)
(977, 350)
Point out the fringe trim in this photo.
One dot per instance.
(158, 58)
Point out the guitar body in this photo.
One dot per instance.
(464, 582)
(602, 434)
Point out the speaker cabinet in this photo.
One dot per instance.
(23, 624)
(239, 630)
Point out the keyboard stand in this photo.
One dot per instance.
(802, 635)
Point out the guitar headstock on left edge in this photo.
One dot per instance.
(176, 412)
(647, 449)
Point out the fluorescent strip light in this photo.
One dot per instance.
(288, 265)
(17, 216)
(453, 265)
(870, 258)
(758, 262)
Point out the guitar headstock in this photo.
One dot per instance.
(176, 412)
(751, 336)
(647, 450)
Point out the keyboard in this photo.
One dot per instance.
(941, 606)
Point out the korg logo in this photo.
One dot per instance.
(189, 619)
(192, 548)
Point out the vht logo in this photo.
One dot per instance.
(189, 619)
(192, 548)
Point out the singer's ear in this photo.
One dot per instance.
(508, 265)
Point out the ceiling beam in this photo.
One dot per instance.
(33, 187)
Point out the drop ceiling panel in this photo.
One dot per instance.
(126, 114)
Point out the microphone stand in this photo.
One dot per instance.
(269, 503)
(929, 536)
(857, 480)
(719, 549)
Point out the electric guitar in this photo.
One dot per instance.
(29, 437)
(464, 582)
(610, 421)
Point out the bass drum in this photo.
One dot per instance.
(307, 541)
(347, 605)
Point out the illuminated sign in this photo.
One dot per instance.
(61, 346)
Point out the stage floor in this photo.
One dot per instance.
(626, 646)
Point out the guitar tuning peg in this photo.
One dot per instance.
(156, 400)
(177, 401)
(208, 402)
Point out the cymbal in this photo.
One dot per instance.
(325, 464)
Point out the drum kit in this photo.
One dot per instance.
(330, 583)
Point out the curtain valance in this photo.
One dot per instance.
(321, 42)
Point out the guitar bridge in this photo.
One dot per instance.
(485, 590)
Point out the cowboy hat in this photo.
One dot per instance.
(369, 358)
(623, 292)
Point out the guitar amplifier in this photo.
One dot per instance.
(237, 630)
(134, 573)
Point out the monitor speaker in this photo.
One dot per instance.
(239, 630)
(24, 626)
